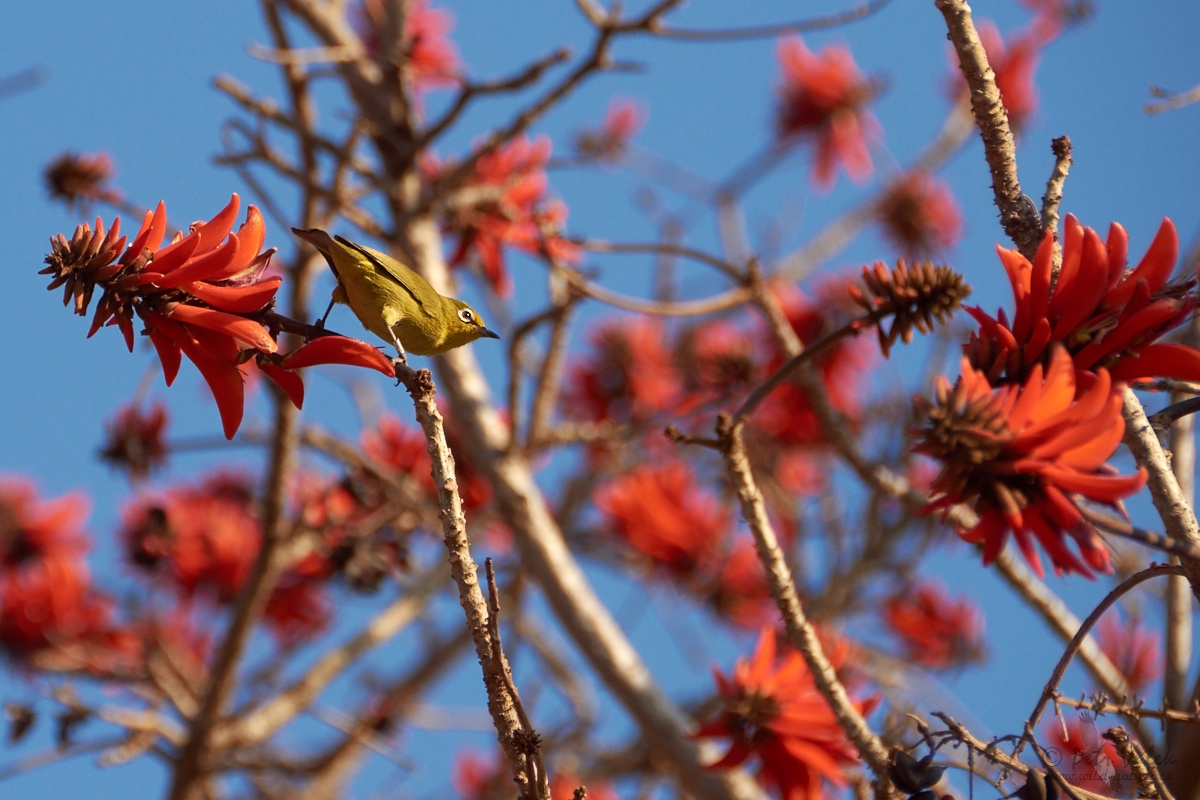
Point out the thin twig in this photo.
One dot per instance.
(1052, 199)
(1060, 669)
(860, 11)
(1173, 101)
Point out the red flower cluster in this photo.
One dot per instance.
(824, 98)
(1019, 453)
(918, 214)
(403, 449)
(1133, 648)
(431, 59)
(609, 141)
(1103, 315)
(202, 541)
(504, 204)
(937, 632)
(202, 295)
(630, 376)
(49, 613)
(772, 710)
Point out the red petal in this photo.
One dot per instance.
(1077, 300)
(174, 256)
(201, 269)
(291, 383)
(240, 328)
(1154, 268)
(168, 354)
(339, 350)
(238, 299)
(154, 225)
(250, 236)
(1160, 360)
(219, 226)
(223, 379)
(1118, 253)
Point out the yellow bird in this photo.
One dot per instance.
(393, 302)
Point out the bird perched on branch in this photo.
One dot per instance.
(393, 302)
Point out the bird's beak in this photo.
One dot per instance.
(317, 238)
(486, 334)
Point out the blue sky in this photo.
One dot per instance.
(134, 79)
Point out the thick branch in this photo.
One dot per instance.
(1017, 213)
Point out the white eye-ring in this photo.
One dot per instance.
(465, 315)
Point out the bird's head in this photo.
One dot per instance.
(463, 324)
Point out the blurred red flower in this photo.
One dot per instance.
(504, 204)
(135, 440)
(824, 98)
(297, 610)
(39, 530)
(431, 59)
(1134, 648)
(937, 632)
(629, 377)
(1102, 315)
(609, 141)
(403, 448)
(662, 512)
(772, 710)
(919, 216)
(1018, 455)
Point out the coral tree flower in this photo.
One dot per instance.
(203, 295)
(1017, 454)
(1133, 648)
(919, 216)
(630, 376)
(772, 710)
(823, 98)
(431, 58)
(1103, 315)
(504, 204)
(1089, 761)
(663, 513)
(135, 440)
(610, 140)
(937, 632)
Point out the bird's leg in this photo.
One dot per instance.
(325, 316)
(401, 356)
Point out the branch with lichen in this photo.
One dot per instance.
(1017, 212)
(514, 736)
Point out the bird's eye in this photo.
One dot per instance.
(465, 315)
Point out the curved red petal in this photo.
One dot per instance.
(238, 299)
(202, 268)
(291, 383)
(1159, 360)
(219, 226)
(339, 350)
(240, 328)
(168, 354)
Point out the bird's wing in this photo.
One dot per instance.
(425, 296)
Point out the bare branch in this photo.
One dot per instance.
(858, 12)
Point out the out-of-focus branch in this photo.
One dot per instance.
(1017, 213)
(860, 11)
(1172, 101)
(1179, 520)
(600, 246)
(260, 723)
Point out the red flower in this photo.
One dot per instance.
(1135, 649)
(36, 530)
(630, 377)
(1018, 454)
(741, 593)
(1089, 761)
(298, 609)
(405, 450)
(823, 97)
(610, 140)
(662, 513)
(772, 710)
(937, 632)
(197, 295)
(918, 214)
(135, 440)
(431, 58)
(504, 204)
(203, 539)
(1104, 316)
